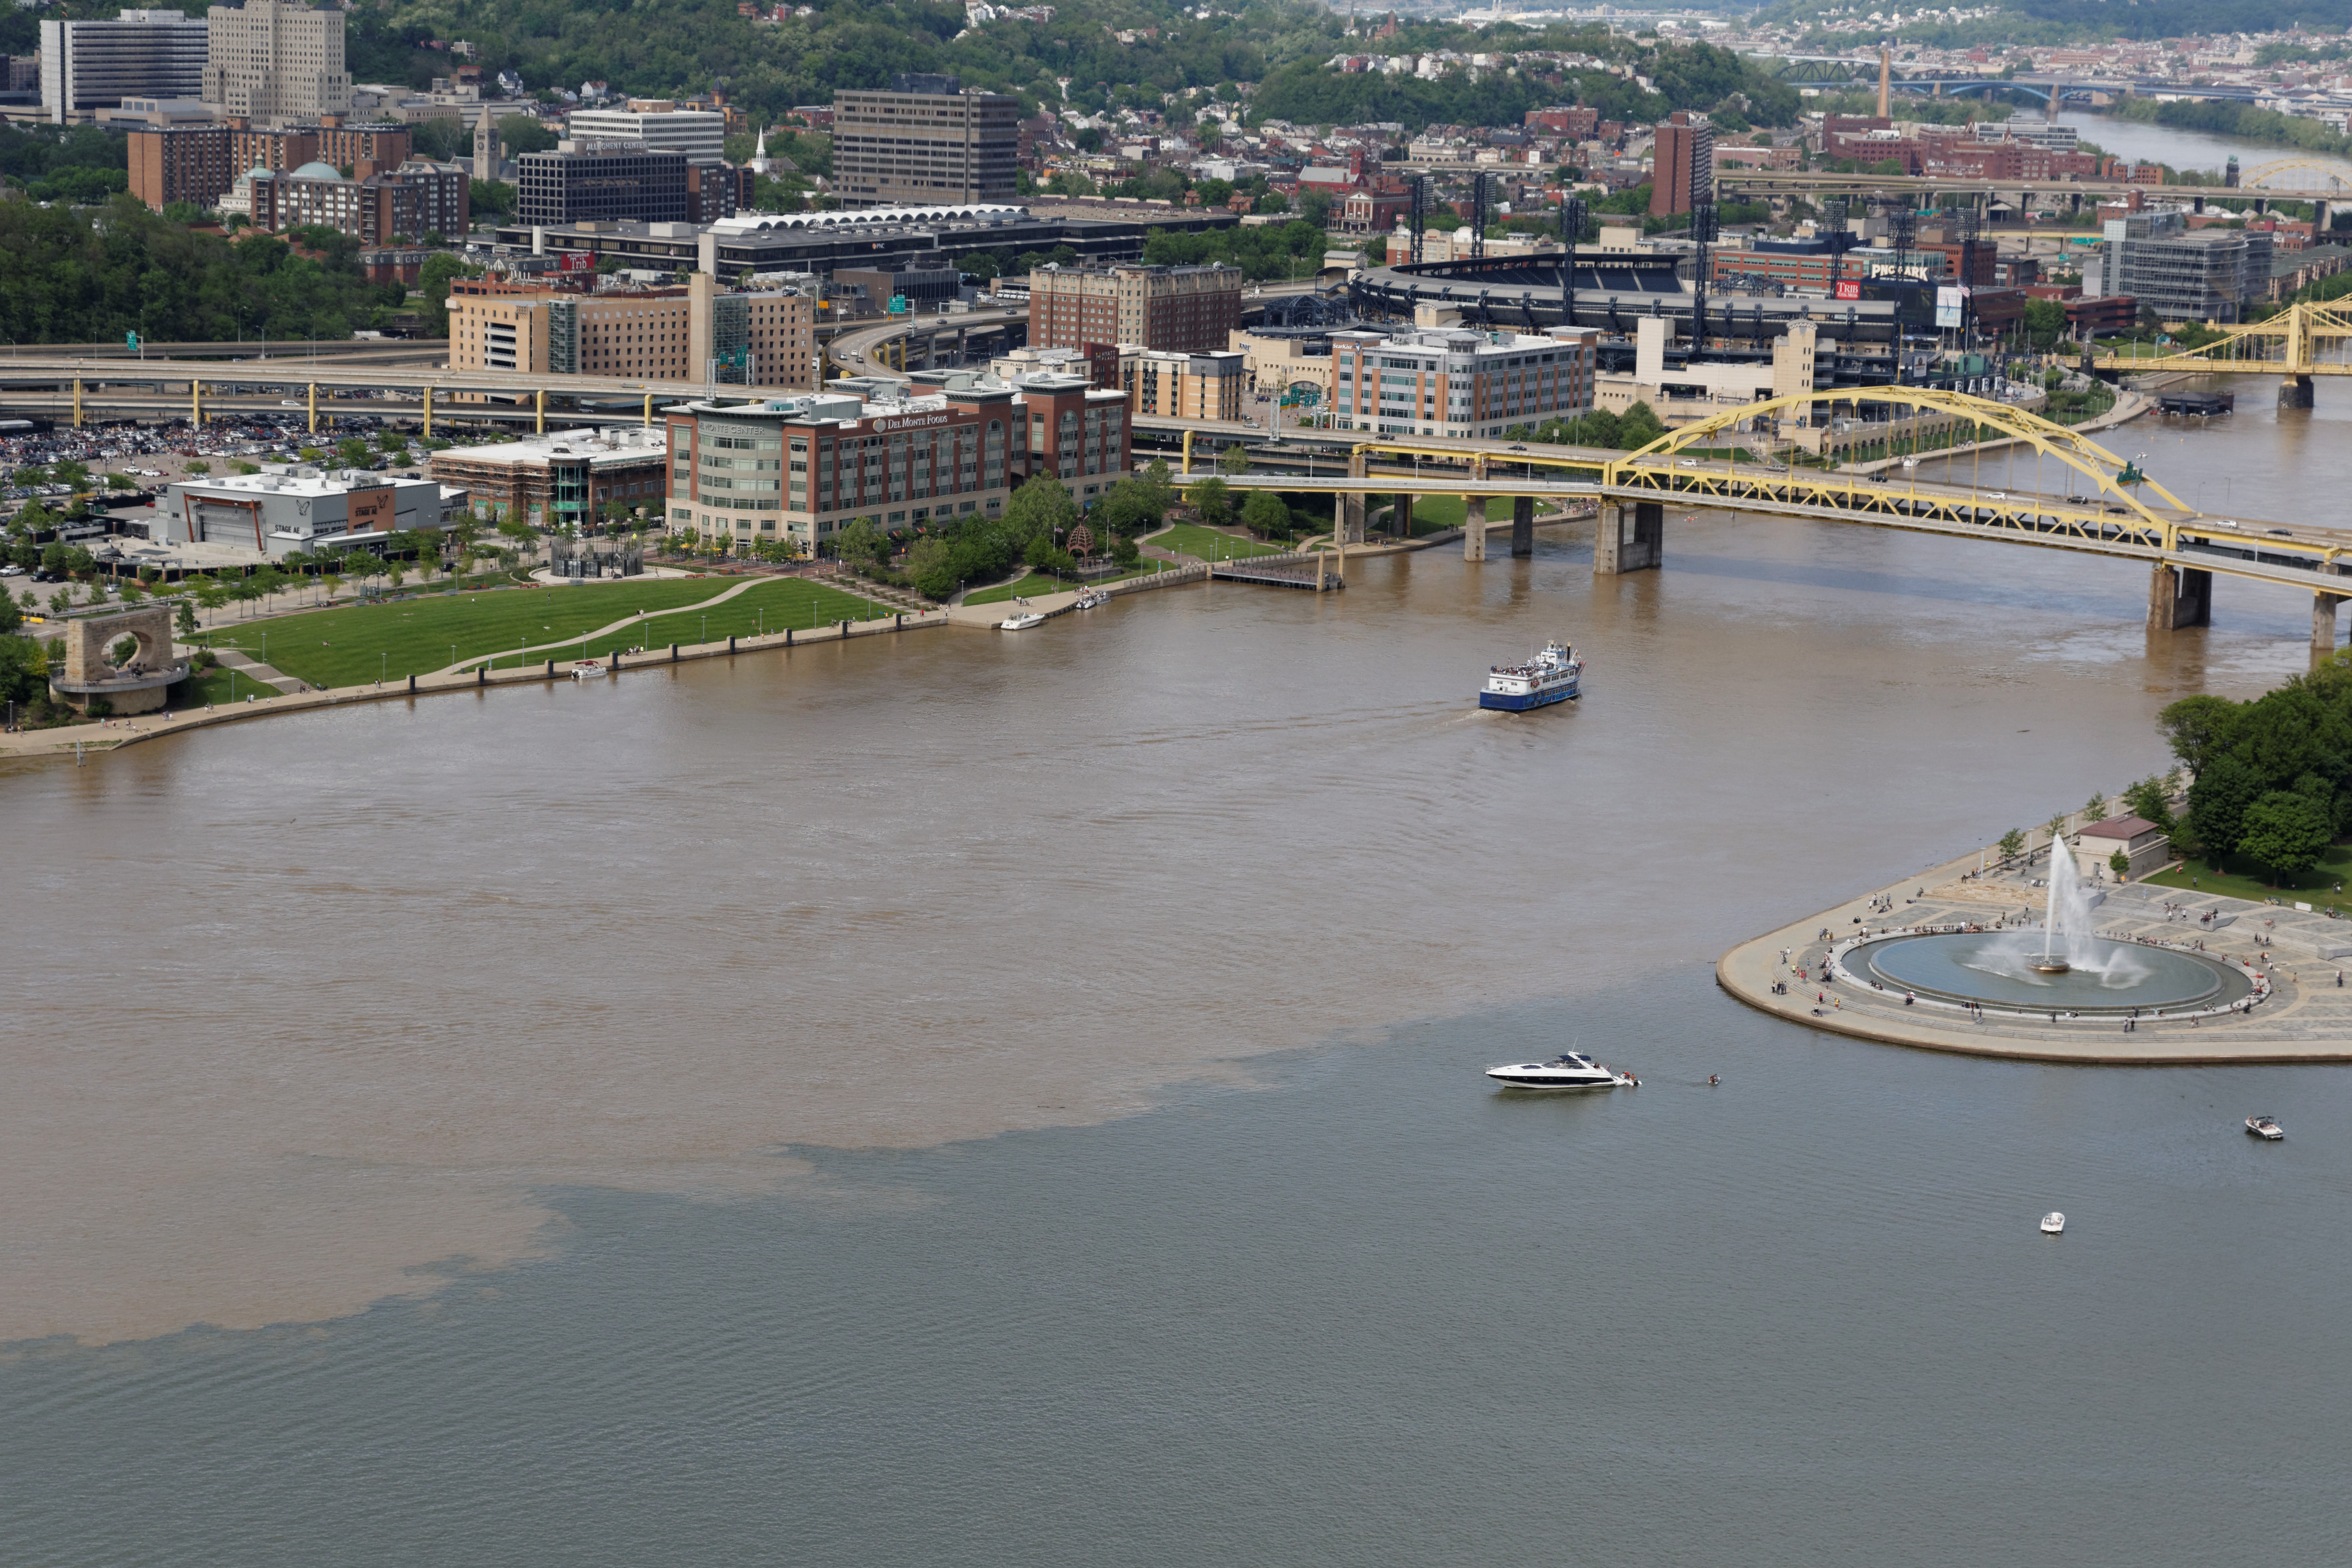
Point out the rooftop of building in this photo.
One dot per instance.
(298, 479)
(621, 444)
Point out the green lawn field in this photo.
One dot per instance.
(2245, 880)
(1030, 586)
(1207, 544)
(354, 644)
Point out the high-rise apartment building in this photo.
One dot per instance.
(1189, 310)
(928, 142)
(140, 54)
(180, 164)
(201, 164)
(1682, 167)
(272, 60)
(600, 183)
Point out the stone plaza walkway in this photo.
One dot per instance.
(2307, 1016)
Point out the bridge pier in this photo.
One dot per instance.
(2323, 626)
(1347, 517)
(2295, 392)
(1629, 537)
(2178, 596)
(1523, 527)
(1400, 517)
(1473, 528)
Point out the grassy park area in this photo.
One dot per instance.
(1034, 585)
(1207, 544)
(350, 645)
(2243, 879)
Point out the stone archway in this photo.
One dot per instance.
(139, 684)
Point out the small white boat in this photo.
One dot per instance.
(586, 670)
(1022, 621)
(2265, 1128)
(1572, 1069)
(2054, 1223)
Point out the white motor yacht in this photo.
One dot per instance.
(1022, 621)
(1571, 1069)
(2054, 1223)
(2265, 1128)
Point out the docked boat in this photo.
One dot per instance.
(2264, 1127)
(1550, 676)
(586, 670)
(2054, 1223)
(1571, 1069)
(1092, 599)
(1022, 621)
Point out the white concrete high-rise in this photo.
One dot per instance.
(700, 134)
(271, 61)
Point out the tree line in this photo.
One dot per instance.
(2273, 776)
(78, 276)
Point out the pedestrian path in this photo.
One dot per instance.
(642, 618)
(255, 670)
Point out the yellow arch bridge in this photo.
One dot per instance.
(2109, 507)
(2299, 342)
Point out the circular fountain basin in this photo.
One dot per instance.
(1998, 969)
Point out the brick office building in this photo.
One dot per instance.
(1191, 310)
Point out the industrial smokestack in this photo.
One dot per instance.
(1886, 81)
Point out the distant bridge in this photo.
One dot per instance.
(2110, 515)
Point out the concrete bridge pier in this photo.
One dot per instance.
(1523, 527)
(1347, 517)
(1473, 528)
(1631, 536)
(2295, 392)
(1400, 517)
(2323, 626)
(2178, 596)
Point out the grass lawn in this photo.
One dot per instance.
(1207, 544)
(1028, 586)
(348, 645)
(2243, 878)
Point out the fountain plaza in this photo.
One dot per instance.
(2038, 963)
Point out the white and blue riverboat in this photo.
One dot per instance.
(1550, 676)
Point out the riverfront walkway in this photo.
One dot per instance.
(2307, 1017)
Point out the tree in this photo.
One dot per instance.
(2013, 844)
(2218, 802)
(198, 469)
(2096, 809)
(1267, 515)
(1040, 509)
(2120, 864)
(184, 618)
(1232, 461)
(2045, 323)
(1212, 501)
(352, 451)
(523, 133)
(2286, 832)
(2199, 728)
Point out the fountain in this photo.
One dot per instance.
(2064, 967)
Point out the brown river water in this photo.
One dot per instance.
(313, 1012)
